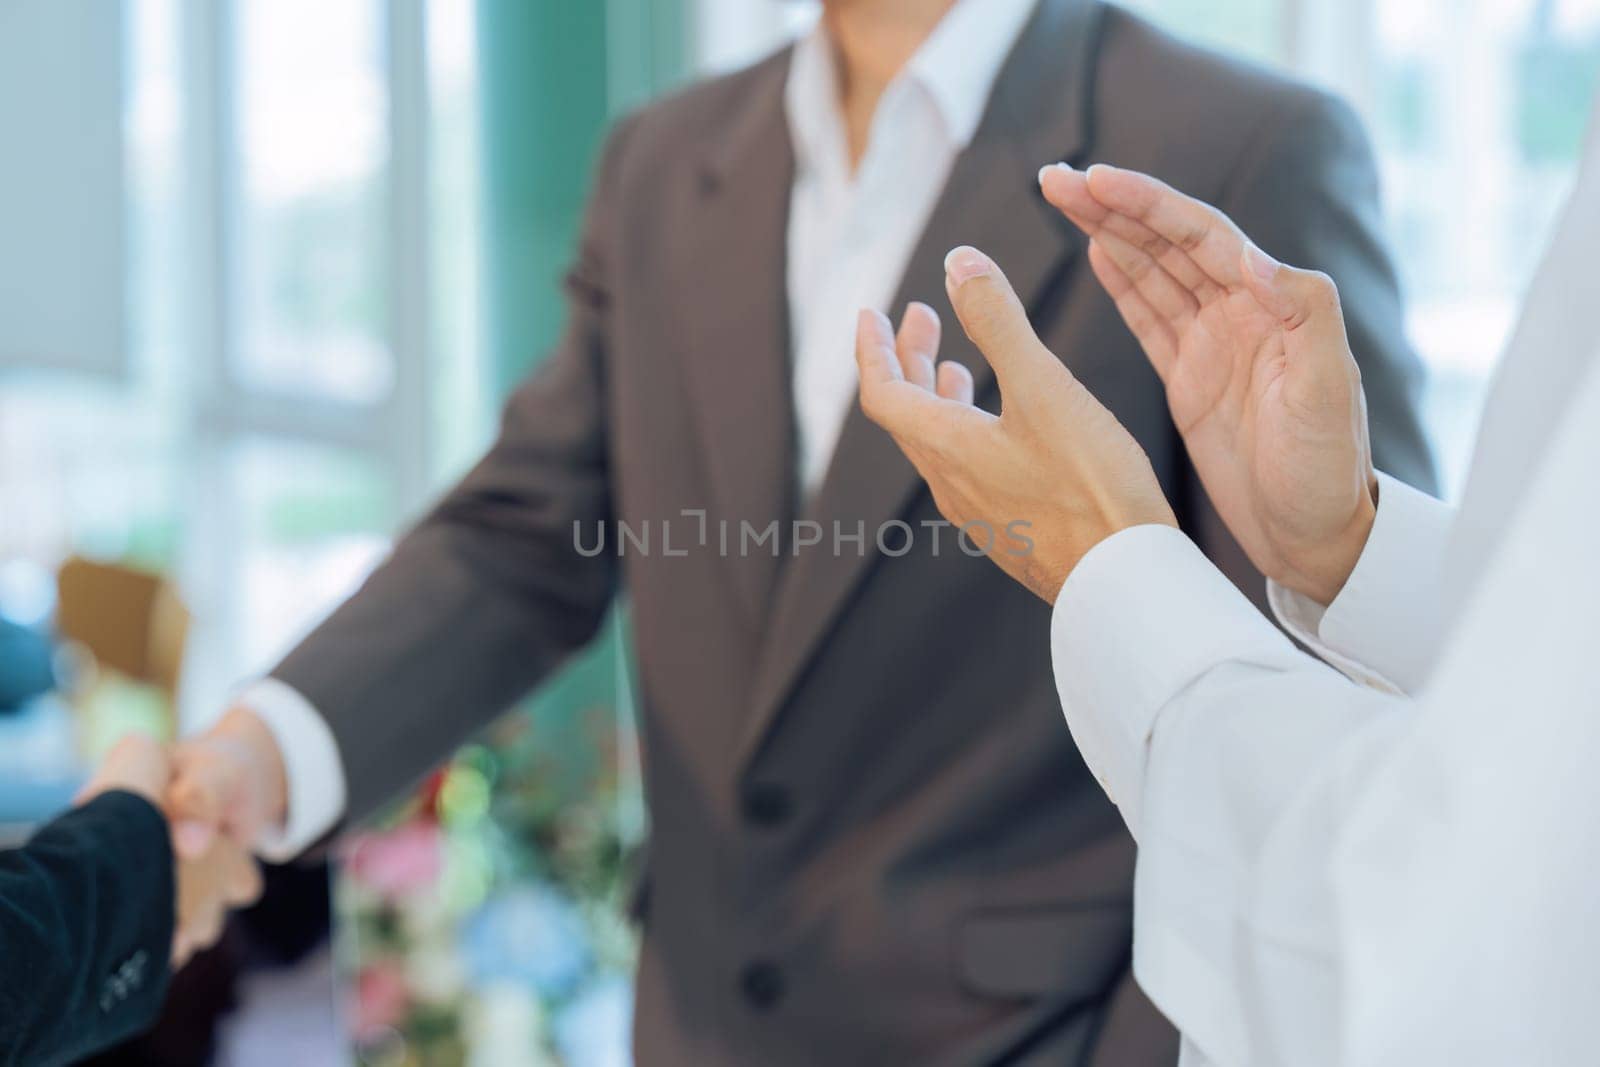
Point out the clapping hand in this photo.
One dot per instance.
(1259, 375)
(221, 877)
(1054, 459)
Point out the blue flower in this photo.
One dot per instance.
(596, 1028)
(528, 934)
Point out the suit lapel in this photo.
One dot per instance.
(736, 304)
(1037, 114)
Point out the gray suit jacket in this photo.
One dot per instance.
(872, 839)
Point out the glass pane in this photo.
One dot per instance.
(1479, 132)
(312, 521)
(313, 151)
(88, 465)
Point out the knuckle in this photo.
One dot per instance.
(1325, 291)
(1191, 236)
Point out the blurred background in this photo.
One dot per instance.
(267, 268)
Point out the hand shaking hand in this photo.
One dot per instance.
(1054, 458)
(228, 782)
(211, 882)
(1259, 375)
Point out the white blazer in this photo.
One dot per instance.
(1399, 862)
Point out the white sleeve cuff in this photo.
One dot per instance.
(1142, 617)
(1382, 628)
(311, 764)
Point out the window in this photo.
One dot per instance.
(311, 158)
(303, 358)
(61, 188)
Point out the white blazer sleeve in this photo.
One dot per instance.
(1383, 627)
(1204, 723)
(1331, 875)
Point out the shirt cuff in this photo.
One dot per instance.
(311, 765)
(1382, 628)
(1142, 617)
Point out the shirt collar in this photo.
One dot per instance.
(957, 65)
(960, 63)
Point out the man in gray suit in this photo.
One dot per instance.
(867, 847)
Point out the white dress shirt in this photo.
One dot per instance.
(850, 237)
(1400, 869)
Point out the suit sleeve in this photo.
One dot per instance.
(487, 595)
(1306, 190)
(86, 923)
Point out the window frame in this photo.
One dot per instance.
(396, 431)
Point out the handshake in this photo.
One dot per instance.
(217, 792)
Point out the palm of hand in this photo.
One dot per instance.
(1267, 416)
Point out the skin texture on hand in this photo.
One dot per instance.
(229, 781)
(1259, 374)
(221, 877)
(1054, 459)
(224, 878)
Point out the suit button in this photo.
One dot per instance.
(762, 984)
(767, 805)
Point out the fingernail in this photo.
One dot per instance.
(1048, 167)
(966, 263)
(877, 324)
(1264, 266)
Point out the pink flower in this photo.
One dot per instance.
(398, 863)
(381, 1000)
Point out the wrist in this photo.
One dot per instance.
(1326, 569)
(1047, 580)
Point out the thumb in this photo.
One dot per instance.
(993, 316)
(1299, 298)
(1307, 303)
(197, 803)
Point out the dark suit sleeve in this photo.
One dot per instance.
(86, 922)
(1306, 190)
(487, 595)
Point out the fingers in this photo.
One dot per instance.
(1173, 301)
(1204, 234)
(1068, 190)
(215, 790)
(920, 419)
(197, 800)
(1153, 333)
(887, 398)
(225, 878)
(955, 383)
(996, 321)
(917, 345)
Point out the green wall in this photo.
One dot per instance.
(553, 75)
(554, 72)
